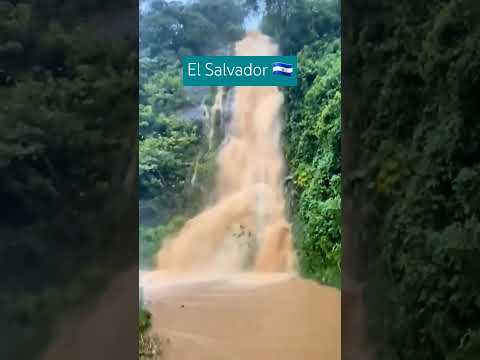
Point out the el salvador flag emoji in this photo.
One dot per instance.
(280, 68)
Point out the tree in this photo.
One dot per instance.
(296, 23)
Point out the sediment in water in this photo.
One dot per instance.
(249, 188)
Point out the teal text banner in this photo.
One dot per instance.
(239, 70)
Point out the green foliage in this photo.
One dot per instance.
(66, 112)
(204, 175)
(15, 31)
(64, 118)
(149, 346)
(144, 321)
(312, 132)
(164, 92)
(166, 158)
(312, 129)
(423, 138)
(151, 239)
(312, 135)
(176, 161)
(195, 28)
(296, 23)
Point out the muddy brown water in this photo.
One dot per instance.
(244, 317)
(202, 297)
(248, 188)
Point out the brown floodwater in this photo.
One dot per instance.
(244, 316)
(208, 299)
(249, 188)
(225, 286)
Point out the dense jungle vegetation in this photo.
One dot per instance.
(311, 29)
(172, 146)
(150, 347)
(67, 101)
(419, 106)
(173, 141)
(172, 137)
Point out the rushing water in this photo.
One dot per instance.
(254, 316)
(235, 297)
(225, 287)
(247, 220)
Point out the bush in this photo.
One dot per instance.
(312, 135)
(422, 139)
(151, 239)
(149, 346)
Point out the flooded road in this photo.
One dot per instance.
(244, 316)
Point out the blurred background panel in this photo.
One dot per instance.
(411, 180)
(68, 179)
